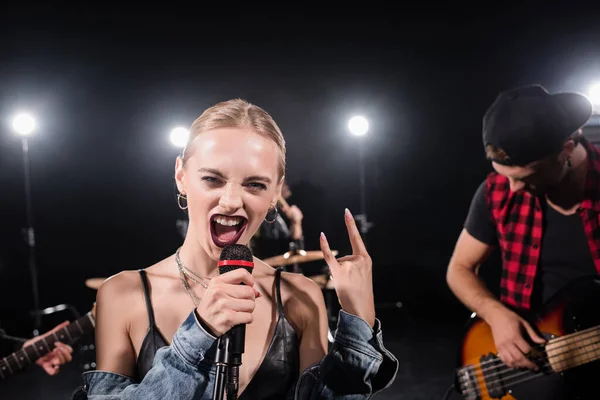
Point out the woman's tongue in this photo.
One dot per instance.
(225, 233)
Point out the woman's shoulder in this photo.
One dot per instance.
(126, 283)
(121, 283)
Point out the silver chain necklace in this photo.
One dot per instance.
(195, 299)
(189, 273)
(185, 272)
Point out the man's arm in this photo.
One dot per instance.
(469, 253)
(473, 247)
(295, 217)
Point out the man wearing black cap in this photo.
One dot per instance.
(540, 207)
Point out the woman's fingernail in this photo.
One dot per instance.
(323, 236)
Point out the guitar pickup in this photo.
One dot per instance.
(492, 369)
(466, 381)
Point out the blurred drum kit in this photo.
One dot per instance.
(296, 257)
(290, 258)
(290, 261)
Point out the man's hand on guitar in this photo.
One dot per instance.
(509, 331)
(61, 354)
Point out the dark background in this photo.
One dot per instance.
(108, 83)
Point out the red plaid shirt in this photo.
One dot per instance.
(518, 220)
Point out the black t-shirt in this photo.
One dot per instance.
(564, 256)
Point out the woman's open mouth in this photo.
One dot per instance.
(226, 230)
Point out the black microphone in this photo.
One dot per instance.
(233, 257)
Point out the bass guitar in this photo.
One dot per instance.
(568, 361)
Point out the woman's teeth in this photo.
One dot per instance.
(228, 221)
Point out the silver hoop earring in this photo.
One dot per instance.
(273, 211)
(179, 197)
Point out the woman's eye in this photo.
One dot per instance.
(210, 179)
(258, 186)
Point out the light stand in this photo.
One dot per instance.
(359, 126)
(24, 125)
(364, 224)
(30, 240)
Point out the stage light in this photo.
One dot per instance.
(594, 94)
(179, 137)
(23, 124)
(358, 125)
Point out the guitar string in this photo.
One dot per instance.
(504, 381)
(31, 349)
(498, 361)
(509, 381)
(501, 367)
(13, 362)
(557, 352)
(541, 347)
(507, 378)
(475, 392)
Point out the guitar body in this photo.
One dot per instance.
(568, 321)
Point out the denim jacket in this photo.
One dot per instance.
(356, 367)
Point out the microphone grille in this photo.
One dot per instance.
(235, 256)
(236, 252)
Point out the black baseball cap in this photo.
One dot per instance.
(529, 124)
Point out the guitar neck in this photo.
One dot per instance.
(29, 354)
(574, 349)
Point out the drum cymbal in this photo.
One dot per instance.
(301, 256)
(94, 283)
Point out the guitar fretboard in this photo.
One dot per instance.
(573, 350)
(29, 354)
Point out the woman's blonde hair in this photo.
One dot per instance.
(238, 113)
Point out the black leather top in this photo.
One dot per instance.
(278, 371)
